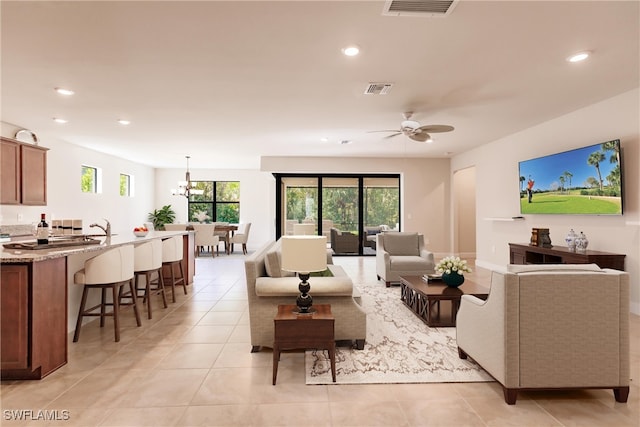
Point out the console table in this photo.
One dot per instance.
(528, 254)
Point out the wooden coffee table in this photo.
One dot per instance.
(425, 298)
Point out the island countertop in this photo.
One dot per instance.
(12, 256)
(39, 300)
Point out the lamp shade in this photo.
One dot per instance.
(304, 254)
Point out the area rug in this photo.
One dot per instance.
(400, 348)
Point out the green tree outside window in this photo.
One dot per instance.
(88, 179)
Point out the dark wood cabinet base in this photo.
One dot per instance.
(529, 254)
(34, 318)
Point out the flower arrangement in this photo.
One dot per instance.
(201, 216)
(452, 264)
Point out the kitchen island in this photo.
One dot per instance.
(39, 301)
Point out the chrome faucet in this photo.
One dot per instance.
(107, 229)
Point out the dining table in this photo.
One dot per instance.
(228, 229)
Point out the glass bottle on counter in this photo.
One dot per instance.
(42, 232)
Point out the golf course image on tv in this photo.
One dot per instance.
(584, 181)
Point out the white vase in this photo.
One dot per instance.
(582, 242)
(571, 240)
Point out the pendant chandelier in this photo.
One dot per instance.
(185, 188)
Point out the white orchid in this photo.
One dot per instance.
(451, 264)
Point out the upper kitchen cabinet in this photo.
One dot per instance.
(23, 173)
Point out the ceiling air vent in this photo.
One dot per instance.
(378, 88)
(428, 8)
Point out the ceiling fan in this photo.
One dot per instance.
(414, 131)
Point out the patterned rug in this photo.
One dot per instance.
(400, 348)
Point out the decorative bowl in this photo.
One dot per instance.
(140, 233)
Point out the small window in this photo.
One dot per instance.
(125, 185)
(89, 179)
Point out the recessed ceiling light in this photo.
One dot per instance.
(63, 91)
(59, 120)
(351, 50)
(580, 56)
(124, 122)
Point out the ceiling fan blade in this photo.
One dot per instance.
(420, 137)
(392, 135)
(436, 128)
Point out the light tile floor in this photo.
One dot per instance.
(192, 366)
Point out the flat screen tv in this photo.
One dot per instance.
(585, 181)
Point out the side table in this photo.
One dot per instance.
(303, 331)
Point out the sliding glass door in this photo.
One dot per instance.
(348, 209)
(299, 203)
(341, 214)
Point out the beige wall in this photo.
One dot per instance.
(497, 185)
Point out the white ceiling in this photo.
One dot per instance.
(228, 82)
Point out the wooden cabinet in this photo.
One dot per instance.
(14, 328)
(33, 300)
(528, 254)
(10, 171)
(23, 173)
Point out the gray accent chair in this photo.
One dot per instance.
(400, 253)
(562, 326)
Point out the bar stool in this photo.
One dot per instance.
(148, 260)
(112, 269)
(172, 256)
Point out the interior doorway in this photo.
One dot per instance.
(464, 212)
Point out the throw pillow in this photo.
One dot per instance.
(272, 265)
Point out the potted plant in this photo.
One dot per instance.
(162, 216)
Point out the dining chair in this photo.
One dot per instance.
(241, 238)
(206, 237)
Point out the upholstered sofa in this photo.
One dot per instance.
(268, 286)
(401, 253)
(560, 326)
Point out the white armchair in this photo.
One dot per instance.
(559, 326)
(402, 254)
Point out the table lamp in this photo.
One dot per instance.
(303, 255)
